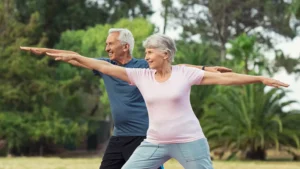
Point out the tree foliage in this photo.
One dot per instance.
(220, 22)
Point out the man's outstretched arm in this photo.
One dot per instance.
(210, 68)
(43, 51)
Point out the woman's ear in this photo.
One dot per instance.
(166, 55)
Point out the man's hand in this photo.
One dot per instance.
(218, 69)
(215, 69)
(42, 51)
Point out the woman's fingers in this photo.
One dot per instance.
(275, 83)
(61, 56)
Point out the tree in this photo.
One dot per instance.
(220, 21)
(246, 54)
(28, 84)
(59, 16)
(295, 11)
(44, 128)
(128, 9)
(167, 4)
(197, 54)
(251, 120)
(291, 65)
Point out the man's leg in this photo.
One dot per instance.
(147, 156)
(193, 155)
(131, 144)
(113, 158)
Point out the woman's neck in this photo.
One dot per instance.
(164, 71)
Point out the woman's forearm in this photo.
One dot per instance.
(239, 79)
(75, 63)
(103, 67)
(92, 63)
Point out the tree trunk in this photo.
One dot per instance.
(8, 152)
(223, 52)
(256, 154)
(296, 157)
(246, 65)
(166, 4)
(41, 151)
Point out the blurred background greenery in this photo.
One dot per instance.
(47, 107)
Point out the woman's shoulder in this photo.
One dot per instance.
(142, 71)
(179, 68)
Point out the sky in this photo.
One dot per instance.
(289, 47)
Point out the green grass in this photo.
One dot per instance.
(93, 163)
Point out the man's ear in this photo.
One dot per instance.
(126, 47)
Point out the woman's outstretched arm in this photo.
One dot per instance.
(238, 79)
(100, 65)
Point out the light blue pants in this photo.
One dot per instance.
(191, 155)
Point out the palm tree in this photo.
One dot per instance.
(250, 120)
(198, 54)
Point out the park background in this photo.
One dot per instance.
(54, 110)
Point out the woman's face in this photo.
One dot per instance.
(155, 58)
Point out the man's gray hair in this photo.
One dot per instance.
(161, 42)
(125, 36)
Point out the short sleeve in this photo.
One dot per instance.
(133, 74)
(193, 75)
(137, 75)
(96, 72)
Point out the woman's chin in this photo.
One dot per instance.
(152, 67)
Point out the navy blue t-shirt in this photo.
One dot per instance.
(127, 105)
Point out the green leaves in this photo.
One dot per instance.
(91, 42)
(250, 118)
(19, 129)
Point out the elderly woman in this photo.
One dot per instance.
(174, 131)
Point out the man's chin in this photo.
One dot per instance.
(111, 57)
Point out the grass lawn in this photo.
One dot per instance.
(93, 163)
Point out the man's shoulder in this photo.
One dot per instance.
(104, 59)
(139, 63)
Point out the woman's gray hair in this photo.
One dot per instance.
(125, 36)
(161, 42)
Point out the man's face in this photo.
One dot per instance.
(114, 47)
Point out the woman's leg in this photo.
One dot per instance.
(147, 156)
(193, 155)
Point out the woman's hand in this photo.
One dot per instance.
(63, 56)
(273, 83)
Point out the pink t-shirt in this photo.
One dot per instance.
(171, 117)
